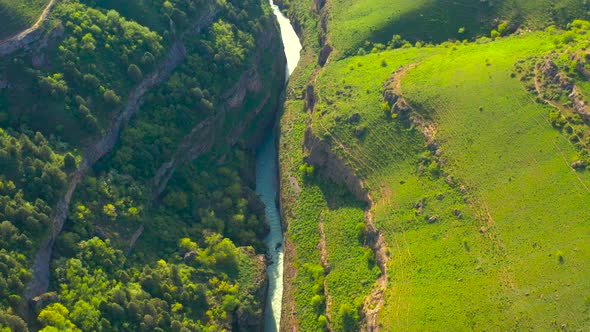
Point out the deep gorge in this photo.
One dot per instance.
(267, 187)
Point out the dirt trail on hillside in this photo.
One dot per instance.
(22, 39)
(326, 266)
(41, 269)
(374, 302)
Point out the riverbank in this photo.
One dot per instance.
(267, 187)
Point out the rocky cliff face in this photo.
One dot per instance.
(222, 128)
(332, 167)
(551, 77)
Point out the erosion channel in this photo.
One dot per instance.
(267, 187)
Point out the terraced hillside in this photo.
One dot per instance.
(17, 15)
(469, 161)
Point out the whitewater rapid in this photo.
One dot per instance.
(267, 186)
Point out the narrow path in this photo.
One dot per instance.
(19, 40)
(326, 266)
(374, 302)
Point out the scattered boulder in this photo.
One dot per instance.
(189, 256)
(419, 207)
(356, 117)
(449, 180)
(578, 164)
(432, 219)
(43, 300)
(421, 170)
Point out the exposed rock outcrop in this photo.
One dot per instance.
(331, 166)
(215, 129)
(548, 76)
(403, 111)
(579, 104)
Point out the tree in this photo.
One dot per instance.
(110, 211)
(134, 73)
(85, 315)
(177, 200)
(317, 302)
(110, 97)
(349, 317)
(495, 34)
(69, 163)
(14, 323)
(56, 315)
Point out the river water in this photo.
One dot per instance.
(267, 188)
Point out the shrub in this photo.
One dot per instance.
(306, 170)
(560, 257)
(360, 231)
(69, 163)
(396, 42)
(134, 73)
(110, 97)
(502, 28)
(348, 317)
(495, 34)
(317, 302)
(323, 322)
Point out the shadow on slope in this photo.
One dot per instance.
(438, 21)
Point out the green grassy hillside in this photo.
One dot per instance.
(531, 204)
(17, 15)
(484, 216)
(498, 143)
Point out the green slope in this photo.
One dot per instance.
(516, 254)
(353, 22)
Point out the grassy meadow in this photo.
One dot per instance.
(500, 145)
(507, 249)
(17, 15)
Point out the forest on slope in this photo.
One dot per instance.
(127, 166)
(433, 166)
